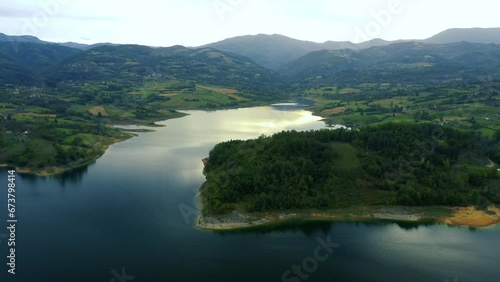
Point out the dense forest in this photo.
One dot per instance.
(405, 164)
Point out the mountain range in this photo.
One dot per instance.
(410, 62)
(275, 51)
(257, 63)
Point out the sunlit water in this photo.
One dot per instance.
(124, 211)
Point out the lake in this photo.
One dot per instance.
(130, 217)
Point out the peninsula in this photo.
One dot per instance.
(398, 172)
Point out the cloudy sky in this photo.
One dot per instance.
(197, 22)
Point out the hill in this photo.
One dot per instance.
(273, 51)
(473, 35)
(29, 63)
(12, 72)
(403, 62)
(383, 165)
(132, 63)
(17, 39)
(35, 55)
(24, 62)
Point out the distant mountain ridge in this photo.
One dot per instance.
(23, 61)
(472, 35)
(15, 40)
(22, 38)
(33, 64)
(275, 51)
(129, 63)
(255, 63)
(412, 62)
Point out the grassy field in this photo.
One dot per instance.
(347, 156)
(467, 107)
(45, 146)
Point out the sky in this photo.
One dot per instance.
(199, 22)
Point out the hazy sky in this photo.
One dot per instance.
(197, 22)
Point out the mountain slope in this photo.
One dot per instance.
(35, 55)
(12, 72)
(131, 63)
(25, 62)
(16, 39)
(473, 35)
(273, 51)
(268, 50)
(410, 62)
(84, 47)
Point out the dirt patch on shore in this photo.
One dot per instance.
(475, 218)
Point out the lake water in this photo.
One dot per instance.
(124, 212)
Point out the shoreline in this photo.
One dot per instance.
(453, 216)
(58, 170)
(238, 218)
(129, 134)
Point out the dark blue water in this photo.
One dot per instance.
(123, 213)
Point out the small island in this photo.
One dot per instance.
(398, 172)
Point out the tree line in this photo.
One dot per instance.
(415, 164)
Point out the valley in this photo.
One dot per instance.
(250, 141)
(48, 131)
(58, 103)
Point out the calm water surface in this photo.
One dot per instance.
(123, 212)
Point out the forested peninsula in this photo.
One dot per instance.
(397, 164)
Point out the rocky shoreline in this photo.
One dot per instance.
(468, 217)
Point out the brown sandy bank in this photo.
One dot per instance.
(474, 218)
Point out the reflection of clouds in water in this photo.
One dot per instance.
(185, 141)
(188, 164)
(291, 120)
(273, 121)
(246, 123)
(196, 134)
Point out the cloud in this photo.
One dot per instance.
(13, 12)
(55, 12)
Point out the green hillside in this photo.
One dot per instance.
(132, 64)
(404, 164)
(398, 63)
